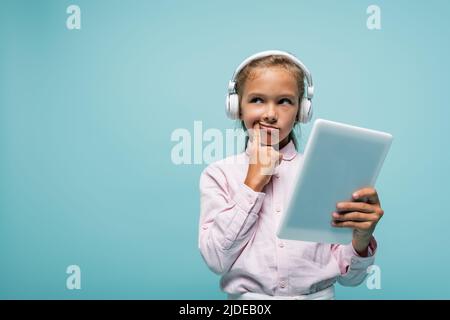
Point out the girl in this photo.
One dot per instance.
(242, 200)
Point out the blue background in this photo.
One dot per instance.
(86, 116)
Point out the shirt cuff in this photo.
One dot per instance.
(356, 263)
(356, 266)
(248, 199)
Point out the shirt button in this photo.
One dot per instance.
(283, 284)
(281, 245)
(205, 227)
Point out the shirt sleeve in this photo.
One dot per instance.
(226, 222)
(353, 267)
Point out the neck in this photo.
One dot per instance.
(284, 142)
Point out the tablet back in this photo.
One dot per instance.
(338, 160)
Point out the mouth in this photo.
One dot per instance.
(267, 127)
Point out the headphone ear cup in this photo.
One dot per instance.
(305, 114)
(232, 106)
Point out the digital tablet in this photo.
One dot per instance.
(338, 160)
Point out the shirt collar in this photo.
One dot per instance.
(289, 152)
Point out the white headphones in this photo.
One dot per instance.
(232, 101)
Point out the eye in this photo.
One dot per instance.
(285, 100)
(256, 100)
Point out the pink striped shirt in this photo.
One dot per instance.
(237, 235)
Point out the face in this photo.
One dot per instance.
(270, 97)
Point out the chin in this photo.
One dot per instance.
(269, 142)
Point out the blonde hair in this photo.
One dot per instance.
(266, 62)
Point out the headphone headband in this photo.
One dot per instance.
(309, 81)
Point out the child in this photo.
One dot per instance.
(241, 203)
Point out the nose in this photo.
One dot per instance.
(270, 116)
